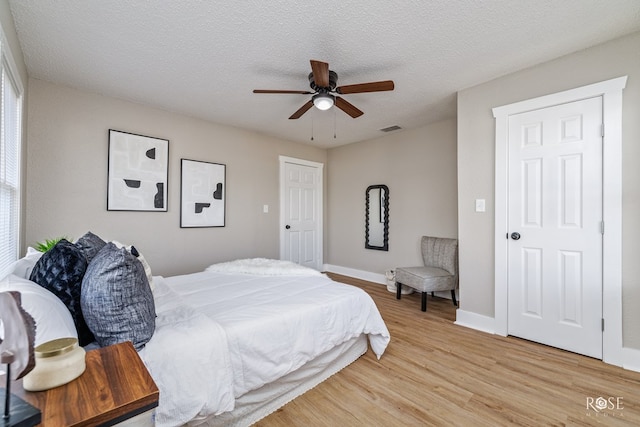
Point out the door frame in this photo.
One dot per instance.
(319, 205)
(611, 93)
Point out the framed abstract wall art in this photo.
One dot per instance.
(138, 172)
(202, 194)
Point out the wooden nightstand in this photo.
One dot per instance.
(115, 388)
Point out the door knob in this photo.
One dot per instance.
(515, 236)
(287, 226)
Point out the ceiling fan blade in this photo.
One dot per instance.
(301, 110)
(301, 92)
(366, 87)
(348, 108)
(320, 72)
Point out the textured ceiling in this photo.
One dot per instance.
(203, 58)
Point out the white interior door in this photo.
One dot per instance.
(301, 212)
(555, 207)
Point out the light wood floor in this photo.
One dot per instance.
(437, 373)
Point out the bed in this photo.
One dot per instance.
(248, 336)
(235, 342)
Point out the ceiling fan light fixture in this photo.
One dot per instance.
(323, 101)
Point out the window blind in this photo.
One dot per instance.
(10, 140)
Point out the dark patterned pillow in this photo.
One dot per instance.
(90, 245)
(60, 270)
(117, 300)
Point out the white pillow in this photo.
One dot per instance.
(23, 266)
(263, 267)
(52, 317)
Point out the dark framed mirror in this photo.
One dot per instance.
(376, 233)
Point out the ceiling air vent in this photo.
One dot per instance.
(390, 128)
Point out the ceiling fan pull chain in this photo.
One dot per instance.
(312, 128)
(334, 123)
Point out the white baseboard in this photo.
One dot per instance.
(631, 358)
(358, 274)
(370, 277)
(475, 321)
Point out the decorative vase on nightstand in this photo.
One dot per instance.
(390, 275)
(57, 362)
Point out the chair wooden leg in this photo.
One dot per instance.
(424, 302)
(398, 290)
(453, 297)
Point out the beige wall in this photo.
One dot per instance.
(419, 167)
(476, 140)
(67, 179)
(67, 173)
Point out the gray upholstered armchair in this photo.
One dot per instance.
(439, 273)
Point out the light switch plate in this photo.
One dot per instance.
(480, 205)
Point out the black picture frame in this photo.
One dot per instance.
(202, 194)
(138, 172)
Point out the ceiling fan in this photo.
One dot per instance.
(324, 82)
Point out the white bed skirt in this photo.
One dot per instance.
(259, 403)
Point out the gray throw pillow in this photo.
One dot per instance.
(116, 298)
(90, 245)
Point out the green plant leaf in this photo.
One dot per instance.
(48, 244)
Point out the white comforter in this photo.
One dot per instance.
(188, 358)
(221, 335)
